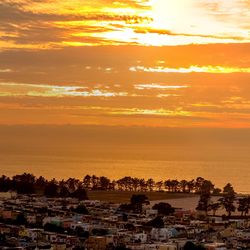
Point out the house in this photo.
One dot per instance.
(8, 195)
(151, 212)
(228, 232)
(34, 233)
(52, 220)
(215, 246)
(59, 246)
(160, 234)
(6, 214)
(49, 237)
(84, 226)
(139, 237)
(168, 246)
(23, 232)
(96, 243)
(31, 218)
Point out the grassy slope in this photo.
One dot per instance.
(124, 196)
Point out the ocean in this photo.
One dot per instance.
(63, 152)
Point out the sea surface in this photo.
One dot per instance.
(74, 152)
(220, 172)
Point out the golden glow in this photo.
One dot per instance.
(148, 22)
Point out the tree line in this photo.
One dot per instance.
(135, 184)
(28, 184)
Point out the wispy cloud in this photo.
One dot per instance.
(159, 86)
(192, 69)
(38, 90)
(151, 112)
(224, 37)
(5, 70)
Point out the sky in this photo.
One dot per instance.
(150, 63)
(147, 88)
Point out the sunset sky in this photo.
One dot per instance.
(156, 63)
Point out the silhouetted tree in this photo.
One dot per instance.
(191, 186)
(81, 209)
(80, 193)
(164, 208)
(137, 201)
(5, 184)
(198, 184)
(95, 182)
(175, 185)
(150, 184)
(121, 248)
(104, 183)
(53, 228)
(214, 207)
(200, 247)
(217, 191)
(99, 231)
(189, 245)
(21, 219)
(143, 185)
(81, 233)
(129, 226)
(40, 184)
(205, 195)
(157, 222)
(72, 184)
(227, 201)
(244, 205)
(126, 207)
(183, 185)
(168, 185)
(159, 185)
(228, 189)
(51, 189)
(24, 183)
(87, 181)
(64, 192)
(135, 183)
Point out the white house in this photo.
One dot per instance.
(160, 234)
